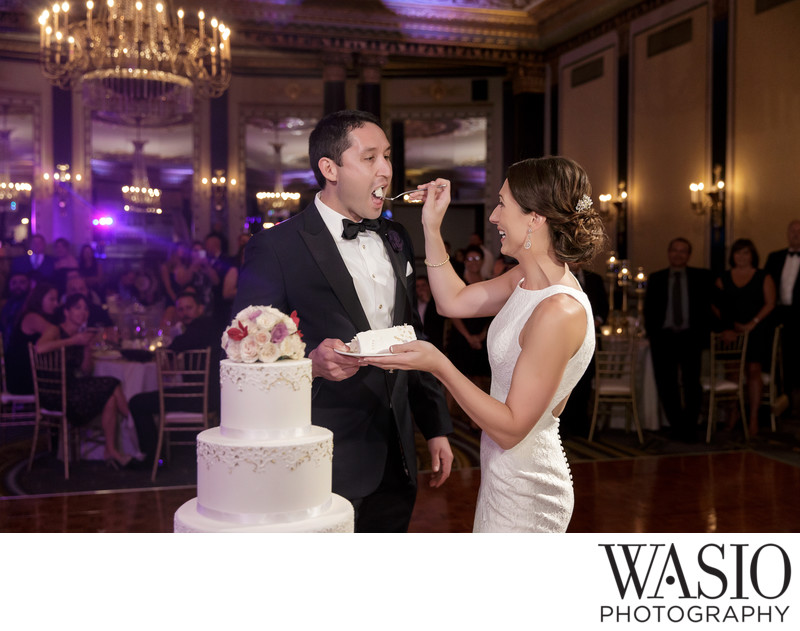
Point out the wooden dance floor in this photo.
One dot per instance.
(726, 493)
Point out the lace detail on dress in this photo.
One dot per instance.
(528, 488)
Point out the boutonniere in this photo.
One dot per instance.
(395, 240)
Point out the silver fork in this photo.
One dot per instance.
(413, 190)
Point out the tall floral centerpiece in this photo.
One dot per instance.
(263, 334)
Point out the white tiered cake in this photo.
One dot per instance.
(266, 468)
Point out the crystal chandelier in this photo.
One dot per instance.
(10, 191)
(133, 59)
(140, 196)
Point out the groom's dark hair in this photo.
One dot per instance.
(330, 138)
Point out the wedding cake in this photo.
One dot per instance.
(265, 468)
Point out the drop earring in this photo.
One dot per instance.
(527, 244)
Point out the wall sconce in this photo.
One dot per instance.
(62, 180)
(606, 199)
(219, 189)
(712, 199)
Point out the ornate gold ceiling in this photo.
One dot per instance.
(402, 36)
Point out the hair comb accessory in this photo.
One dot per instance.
(584, 204)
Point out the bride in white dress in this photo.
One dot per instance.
(540, 342)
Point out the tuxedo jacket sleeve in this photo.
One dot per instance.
(296, 266)
(774, 267)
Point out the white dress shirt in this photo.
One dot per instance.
(369, 266)
(788, 279)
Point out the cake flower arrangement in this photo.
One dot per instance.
(263, 334)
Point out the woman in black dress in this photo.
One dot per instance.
(37, 315)
(87, 396)
(747, 297)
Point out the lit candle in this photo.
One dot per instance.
(213, 61)
(110, 19)
(43, 24)
(59, 37)
(180, 26)
(65, 9)
(159, 22)
(137, 24)
(695, 192)
(202, 17)
(71, 47)
(89, 7)
(56, 9)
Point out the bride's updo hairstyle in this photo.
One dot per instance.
(558, 189)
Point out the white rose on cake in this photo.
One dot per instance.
(263, 334)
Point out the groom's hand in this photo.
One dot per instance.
(330, 365)
(441, 460)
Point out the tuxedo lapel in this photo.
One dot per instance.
(399, 263)
(324, 251)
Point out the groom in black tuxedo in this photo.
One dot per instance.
(344, 270)
(677, 318)
(784, 267)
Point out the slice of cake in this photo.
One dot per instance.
(379, 340)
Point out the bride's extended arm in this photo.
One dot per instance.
(454, 298)
(553, 333)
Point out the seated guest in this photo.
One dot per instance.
(98, 317)
(37, 264)
(17, 289)
(175, 272)
(199, 333)
(37, 315)
(64, 262)
(87, 396)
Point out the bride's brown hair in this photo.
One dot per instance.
(554, 187)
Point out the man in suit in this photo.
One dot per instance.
(199, 332)
(218, 265)
(342, 278)
(677, 318)
(38, 265)
(784, 267)
(432, 320)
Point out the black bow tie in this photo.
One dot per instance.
(351, 228)
(793, 253)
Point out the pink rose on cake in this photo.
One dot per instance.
(263, 334)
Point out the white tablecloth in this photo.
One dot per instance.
(136, 377)
(646, 393)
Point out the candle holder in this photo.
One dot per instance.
(612, 270)
(641, 288)
(624, 277)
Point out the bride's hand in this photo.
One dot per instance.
(436, 202)
(418, 355)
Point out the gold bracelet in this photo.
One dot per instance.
(437, 264)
